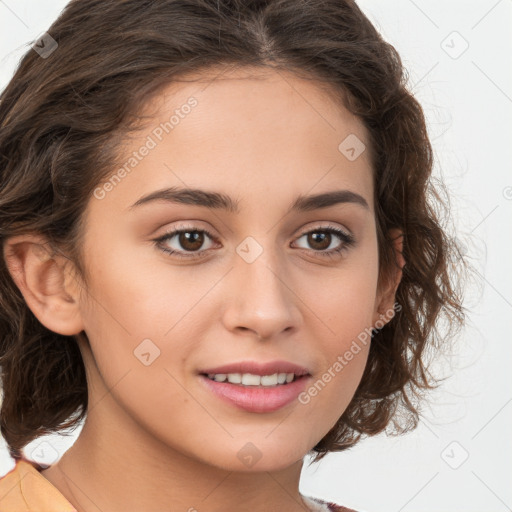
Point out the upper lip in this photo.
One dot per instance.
(257, 368)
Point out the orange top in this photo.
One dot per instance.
(24, 489)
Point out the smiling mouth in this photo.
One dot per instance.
(267, 389)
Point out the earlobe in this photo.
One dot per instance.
(41, 276)
(385, 308)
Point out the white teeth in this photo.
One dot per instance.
(235, 378)
(249, 379)
(269, 380)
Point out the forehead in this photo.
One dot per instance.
(266, 131)
(248, 95)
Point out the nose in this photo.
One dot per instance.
(261, 297)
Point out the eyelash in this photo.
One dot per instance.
(348, 241)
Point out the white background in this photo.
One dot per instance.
(468, 103)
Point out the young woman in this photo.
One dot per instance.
(219, 250)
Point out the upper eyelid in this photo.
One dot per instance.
(197, 227)
(180, 228)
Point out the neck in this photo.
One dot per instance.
(126, 469)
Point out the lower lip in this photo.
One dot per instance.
(255, 398)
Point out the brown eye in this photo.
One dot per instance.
(319, 240)
(191, 240)
(182, 241)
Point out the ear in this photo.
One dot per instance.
(384, 309)
(45, 280)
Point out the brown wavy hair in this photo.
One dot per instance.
(62, 118)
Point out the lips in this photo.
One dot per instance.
(256, 387)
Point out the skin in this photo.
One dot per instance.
(154, 434)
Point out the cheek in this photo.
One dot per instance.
(330, 392)
(133, 293)
(134, 356)
(137, 318)
(345, 306)
(344, 299)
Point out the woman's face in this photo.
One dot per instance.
(264, 293)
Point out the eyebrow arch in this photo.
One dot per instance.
(216, 200)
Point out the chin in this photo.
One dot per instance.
(260, 454)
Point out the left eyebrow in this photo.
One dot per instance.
(217, 200)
